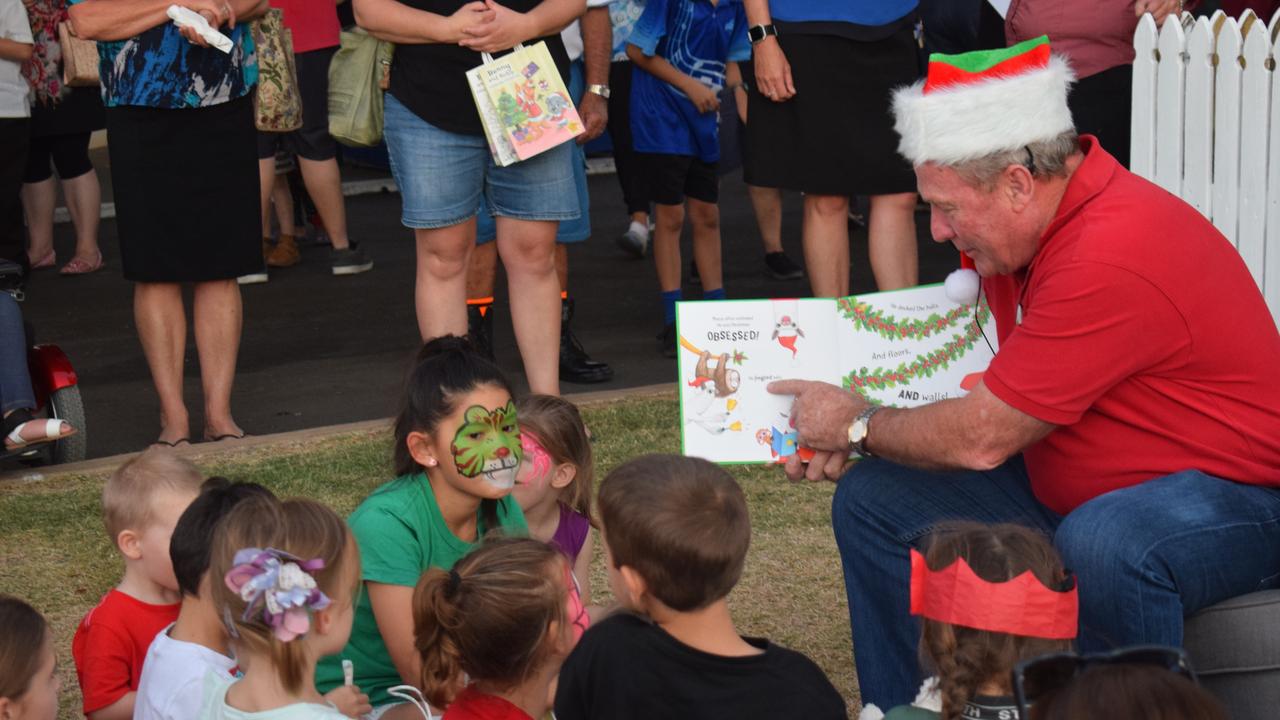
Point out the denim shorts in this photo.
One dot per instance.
(442, 175)
(570, 231)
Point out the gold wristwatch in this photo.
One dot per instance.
(860, 428)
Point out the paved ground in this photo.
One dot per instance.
(319, 350)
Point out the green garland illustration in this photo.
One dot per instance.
(863, 316)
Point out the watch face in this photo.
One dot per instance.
(857, 431)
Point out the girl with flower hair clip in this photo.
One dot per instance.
(284, 576)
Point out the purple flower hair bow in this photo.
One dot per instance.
(280, 586)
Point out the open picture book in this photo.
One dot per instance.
(901, 348)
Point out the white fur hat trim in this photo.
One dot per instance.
(959, 123)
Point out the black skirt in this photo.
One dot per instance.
(186, 191)
(835, 137)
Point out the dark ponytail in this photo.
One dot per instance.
(489, 617)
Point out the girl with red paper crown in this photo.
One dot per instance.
(990, 596)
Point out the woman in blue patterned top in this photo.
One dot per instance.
(184, 166)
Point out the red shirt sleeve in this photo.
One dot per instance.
(103, 660)
(1086, 327)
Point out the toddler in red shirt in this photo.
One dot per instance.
(493, 631)
(141, 503)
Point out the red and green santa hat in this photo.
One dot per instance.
(975, 104)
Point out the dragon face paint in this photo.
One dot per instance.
(487, 445)
(535, 470)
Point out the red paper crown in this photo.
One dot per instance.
(1021, 606)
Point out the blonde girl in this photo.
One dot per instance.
(285, 576)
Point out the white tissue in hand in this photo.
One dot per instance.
(962, 286)
(184, 17)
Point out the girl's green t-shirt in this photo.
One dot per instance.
(401, 534)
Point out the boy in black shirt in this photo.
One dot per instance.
(675, 533)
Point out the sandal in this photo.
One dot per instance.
(80, 266)
(173, 444)
(47, 261)
(52, 431)
(220, 438)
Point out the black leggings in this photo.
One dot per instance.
(69, 153)
(13, 157)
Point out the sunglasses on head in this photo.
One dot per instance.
(1037, 677)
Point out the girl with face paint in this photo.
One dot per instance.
(556, 480)
(457, 454)
(493, 631)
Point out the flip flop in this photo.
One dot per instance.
(80, 266)
(173, 444)
(220, 438)
(52, 431)
(47, 261)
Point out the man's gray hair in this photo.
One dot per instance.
(1044, 158)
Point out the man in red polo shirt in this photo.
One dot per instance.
(1132, 411)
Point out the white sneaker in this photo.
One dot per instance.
(253, 278)
(635, 241)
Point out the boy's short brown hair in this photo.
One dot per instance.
(128, 497)
(681, 523)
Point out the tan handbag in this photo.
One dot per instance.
(79, 59)
(279, 99)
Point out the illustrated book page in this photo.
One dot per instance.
(900, 348)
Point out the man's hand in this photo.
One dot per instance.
(821, 415)
(505, 29)
(594, 111)
(773, 72)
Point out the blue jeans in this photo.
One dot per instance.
(15, 381)
(1144, 556)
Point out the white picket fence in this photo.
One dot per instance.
(1206, 127)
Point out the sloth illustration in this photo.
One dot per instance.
(726, 380)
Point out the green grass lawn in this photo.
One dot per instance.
(55, 553)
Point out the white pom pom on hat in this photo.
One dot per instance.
(962, 286)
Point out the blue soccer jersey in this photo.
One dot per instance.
(698, 37)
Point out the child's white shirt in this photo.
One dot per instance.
(215, 706)
(13, 87)
(173, 675)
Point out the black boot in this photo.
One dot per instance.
(480, 329)
(575, 365)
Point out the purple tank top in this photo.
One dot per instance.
(571, 533)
